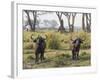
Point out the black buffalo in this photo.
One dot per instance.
(39, 48)
(76, 48)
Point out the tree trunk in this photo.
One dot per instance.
(88, 22)
(73, 21)
(83, 22)
(34, 17)
(69, 16)
(29, 20)
(61, 27)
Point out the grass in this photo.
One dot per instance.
(56, 58)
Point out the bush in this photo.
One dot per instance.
(56, 40)
(87, 40)
(53, 41)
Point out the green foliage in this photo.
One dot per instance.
(86, 39)
(57, 40)
(53, 41)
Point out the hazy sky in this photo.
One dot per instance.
(53, 16)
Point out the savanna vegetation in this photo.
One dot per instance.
(58, 50)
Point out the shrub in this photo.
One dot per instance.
(87, 40)
(57, 40)
(53, 41)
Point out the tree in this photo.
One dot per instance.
(61, 27)
(35, 19)
(32, 24)
(29, 20)
(83, 22)
(86, 22)
(71, 19)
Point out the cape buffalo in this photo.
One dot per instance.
(39, 48)
(76, 48)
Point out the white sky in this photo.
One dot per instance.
(53, 16)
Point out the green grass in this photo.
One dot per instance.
(56, 58)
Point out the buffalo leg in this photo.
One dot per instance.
(73, 54)
(77, 55)
(42, 56)
(37, 57)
